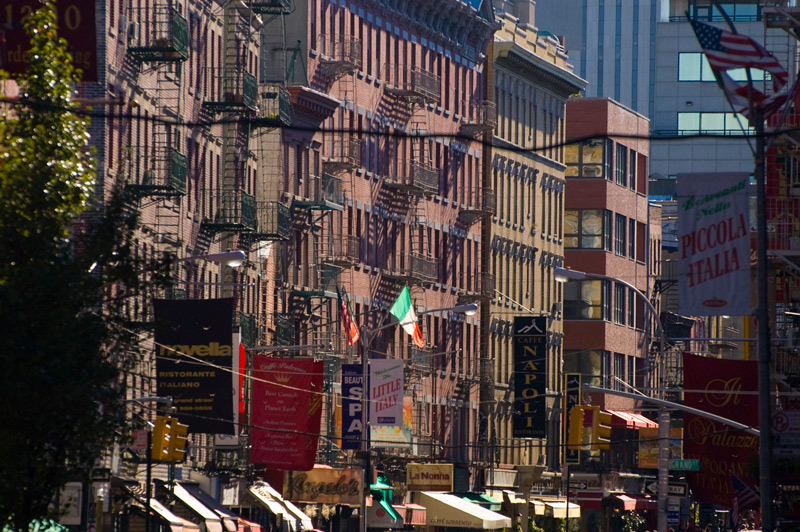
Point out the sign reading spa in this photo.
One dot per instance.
(429, 477)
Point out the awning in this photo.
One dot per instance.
(590, 500)
(290, 513)
(229, 520)
(630, 419)
(563, 509)
(637, 502)
(448, 510)
(482, 499)
(176, 524)
(538, 507)
(412, 514)
(512, 497)
(382, 515)
(248, 526)
(212, 521)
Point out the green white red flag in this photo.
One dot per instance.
(403, 310)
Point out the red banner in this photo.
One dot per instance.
(76, 24)
(286, 412)
(715, 385)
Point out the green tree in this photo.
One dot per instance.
(66, 267)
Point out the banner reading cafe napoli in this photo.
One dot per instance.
(714, 244)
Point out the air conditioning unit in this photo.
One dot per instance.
(133, 33)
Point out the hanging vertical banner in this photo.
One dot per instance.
(194, 359)
(572, 397)
(396, 436)
(352, 405)
(286, 412)
(386, 391)
(530, 376)
(726, 388)
(713, 234)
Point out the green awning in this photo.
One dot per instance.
(389, 509)
(484, 500)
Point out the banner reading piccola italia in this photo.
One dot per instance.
(530, 376)
(713, 232)
(194, 356)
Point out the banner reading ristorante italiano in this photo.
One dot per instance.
(193, 361)
(714, 244)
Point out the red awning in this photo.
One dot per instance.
(630, 419)
(637, 502)
(413, 514)
(590, 500)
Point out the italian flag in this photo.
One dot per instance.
(404, 312)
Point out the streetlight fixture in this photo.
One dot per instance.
(233, 259)
(563, 275)
(468, 309)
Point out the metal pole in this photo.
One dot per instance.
(764, 416)
(148, 480)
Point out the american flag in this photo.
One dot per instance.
(726, 50)
(743, 494)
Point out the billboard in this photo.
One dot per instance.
(530, 376)
(194, 358)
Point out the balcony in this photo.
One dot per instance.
(339, 56)
(270, 7)
(230, 90)
(327, 277)
(155, 171)
(340, 250)
(328, 196)
(346, 155)
(285, 329)
(235, 211)
(480, 117)
(413, 177)
(272, 222)
(481, 289)
(412, 268)
(413, 85)
(420, 362)
(274, 107)
(157, 33)
(481, 203)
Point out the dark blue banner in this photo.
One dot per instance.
(352, 405)
(530, 376)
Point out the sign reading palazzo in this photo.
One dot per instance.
(530, 376)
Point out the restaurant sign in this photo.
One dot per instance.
(328, 485)
(429, 477)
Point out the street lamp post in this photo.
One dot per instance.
(367, 336)
(563, 275)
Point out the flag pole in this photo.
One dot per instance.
(762, 314)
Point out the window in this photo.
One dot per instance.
(619, 371)
(631, 308)
(619, 303)
(631, 371)
(620, 231)
(586, 300)
(585, 159)
(632, 238)
(693, 66)
(713, 123)
(585, 229)
(737, 10)
(587, 363)
(622, 165)
(632, 169)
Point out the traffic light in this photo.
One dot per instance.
(177, 441)
(575, 427)
(159, 445)
(601, 429)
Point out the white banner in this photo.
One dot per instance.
(714, 244)
(385, 392)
